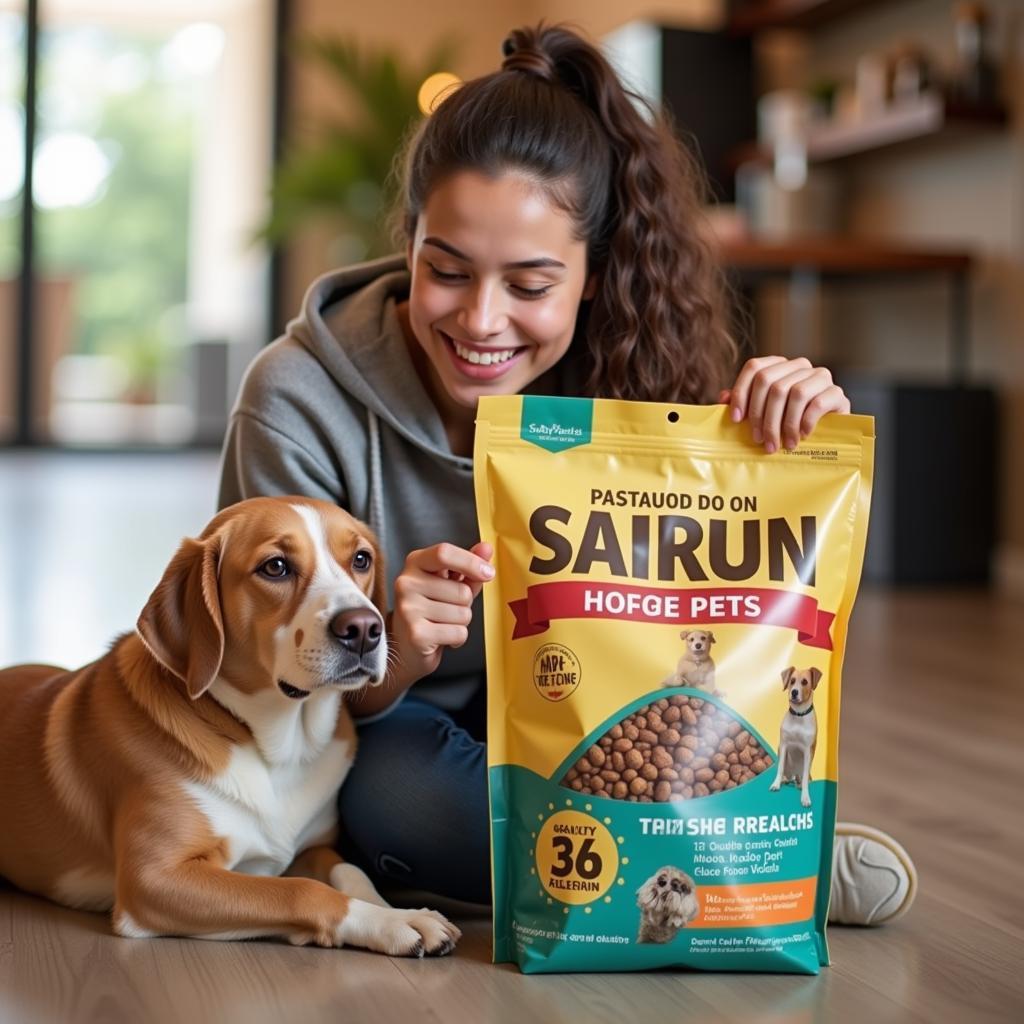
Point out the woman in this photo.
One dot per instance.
(552, 246)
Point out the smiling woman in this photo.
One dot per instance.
(552, 245)
(498, 277)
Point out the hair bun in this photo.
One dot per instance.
(523, 55)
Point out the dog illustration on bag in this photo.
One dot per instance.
(696, 667)
(799, 733)
(667, 902)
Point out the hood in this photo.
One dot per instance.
(350, 323)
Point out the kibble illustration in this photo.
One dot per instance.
(676, 748)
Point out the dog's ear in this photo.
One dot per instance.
(815, 678)
(787, 674)
(685, 633)
(711, 638)
(181, 625)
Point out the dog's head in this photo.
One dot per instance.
(800, 684)
(668, 897)
(279, 594)
(698, 642)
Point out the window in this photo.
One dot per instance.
(151, 170)
(12, 173)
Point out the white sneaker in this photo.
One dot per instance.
(873, 878)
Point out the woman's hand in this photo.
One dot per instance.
(433, 598)
(783, 399)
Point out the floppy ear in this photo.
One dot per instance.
(711, 638)
(685, 633)
(787, 674)
(181, 624)
(815, 677)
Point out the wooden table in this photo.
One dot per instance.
(807, 263)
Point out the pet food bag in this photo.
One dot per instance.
(665, 638)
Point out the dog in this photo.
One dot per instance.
(799, 733)
(695, 667)
(667, 902)
(186, 781)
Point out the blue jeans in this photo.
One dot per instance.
(414, 808)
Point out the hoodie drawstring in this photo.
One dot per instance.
(375, 512)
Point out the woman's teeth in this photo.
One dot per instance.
(483, 358)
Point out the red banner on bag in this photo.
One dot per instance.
(758, 606)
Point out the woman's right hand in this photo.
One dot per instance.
(433, 597)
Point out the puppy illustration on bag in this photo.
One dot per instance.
(799, 733)
(667, 902)
(695, 667)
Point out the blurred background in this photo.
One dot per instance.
(174, 174)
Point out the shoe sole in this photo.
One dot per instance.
(886, 840)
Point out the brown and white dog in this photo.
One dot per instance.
(696, 667)
(798, 736)
(172, 780)
(667, 902)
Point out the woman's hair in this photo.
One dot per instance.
(557, 113)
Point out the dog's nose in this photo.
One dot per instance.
(358, 629)
(794, 694)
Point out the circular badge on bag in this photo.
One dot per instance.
(556, 672)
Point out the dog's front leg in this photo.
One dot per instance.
(805, 795)
(324, 864)
(171, 881)
(782, 760)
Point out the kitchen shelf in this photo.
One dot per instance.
(754, 15)
(837, 256)
(929, 115)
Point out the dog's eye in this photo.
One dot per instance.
(275, 568)
(662, 880)
(361, 561)
(684, 888)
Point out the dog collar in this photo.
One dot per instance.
(800, 714)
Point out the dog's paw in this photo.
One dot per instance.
(805, 800)
(399, 932)
(774, 787)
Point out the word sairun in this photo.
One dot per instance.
(665, 543)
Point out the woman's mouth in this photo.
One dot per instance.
(480, 363)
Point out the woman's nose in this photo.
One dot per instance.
(483, 315)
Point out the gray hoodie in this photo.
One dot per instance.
(336, 410)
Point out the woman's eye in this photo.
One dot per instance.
(361, 561)
(275, 569)
(442, 275)
(532, 293)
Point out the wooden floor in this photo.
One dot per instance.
(933, 723)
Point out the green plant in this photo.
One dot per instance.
(343, 174)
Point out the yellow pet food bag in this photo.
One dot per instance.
(665, 639)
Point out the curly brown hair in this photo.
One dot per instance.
(558, 113)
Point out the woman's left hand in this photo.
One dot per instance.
(783, 399)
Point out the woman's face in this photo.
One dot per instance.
(497, 279)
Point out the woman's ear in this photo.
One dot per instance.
(181, 625)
